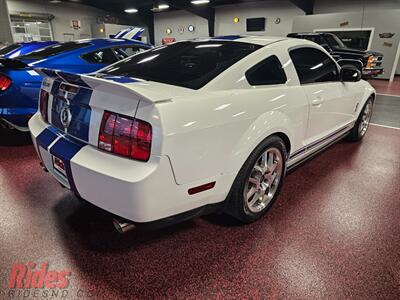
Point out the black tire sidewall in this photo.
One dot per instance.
(237, 201)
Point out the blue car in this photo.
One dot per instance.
(18, 49)
(20, 83)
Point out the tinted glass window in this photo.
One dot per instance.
(312, 65)
(54, 50)
(9, 48)
(334, 41)
(104, 56)
(190, 64)
(124, 52)
(269, 71)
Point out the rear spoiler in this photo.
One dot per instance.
(13, 64)
(109, 84)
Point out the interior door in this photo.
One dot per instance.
(331, 103)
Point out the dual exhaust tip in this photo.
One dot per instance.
(123, 226)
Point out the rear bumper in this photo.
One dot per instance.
(137, 191)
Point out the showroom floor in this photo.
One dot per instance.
(333, 233)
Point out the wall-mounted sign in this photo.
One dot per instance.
(236, 20)
(168, 31)
(166, 41)
(75, 24)
(344, 23)
(386, 44)
(386, 35)
(181, 29)
(191, 28)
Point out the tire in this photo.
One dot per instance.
(255, 178)
(361, 126)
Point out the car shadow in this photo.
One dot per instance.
(13, 137)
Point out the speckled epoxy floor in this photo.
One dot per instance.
(334, 233)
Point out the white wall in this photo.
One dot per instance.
(271, 10)
(175, 19)
(63, 13)
(224, 24)
(329, 6)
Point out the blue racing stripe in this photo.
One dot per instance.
(65, 149)
(46, 137)
(80, 110)
(120, 79)
(228, 37)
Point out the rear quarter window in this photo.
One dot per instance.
(267, 72)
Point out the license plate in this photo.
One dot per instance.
(59, 166)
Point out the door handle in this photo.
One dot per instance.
(318, 101)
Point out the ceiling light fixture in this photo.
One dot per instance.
(131, 10)
(55, 1)
(160, 7)
(199, 2)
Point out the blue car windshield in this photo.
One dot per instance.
(54, 50)
(190, 64)
(9, 48)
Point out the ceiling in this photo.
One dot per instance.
(118, 6)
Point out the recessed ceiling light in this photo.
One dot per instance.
(199, 2)
(55, 1)
(131, 10)
(160, 8)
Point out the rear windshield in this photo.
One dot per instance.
(54, 50)
(190, 64)
(9, 48)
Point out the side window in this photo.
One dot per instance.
(124, 52)
(313, 65)
(267, 72)
(104, 56)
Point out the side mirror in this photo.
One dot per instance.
(350, 73)
(351, 62)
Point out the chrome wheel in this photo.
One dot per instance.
(263, 181)
(365, 119)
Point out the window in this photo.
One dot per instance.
(9, 48)
(124, 52)
(269, 71)
(334, 41)
(54, 50)
(103, 56)
(190, 64)
(27, 30)
(313, 65)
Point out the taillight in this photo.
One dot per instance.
(43, 105)
(125, 136)
(5, 82)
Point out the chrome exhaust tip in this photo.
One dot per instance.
(123, 226)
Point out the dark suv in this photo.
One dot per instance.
(371, 61)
